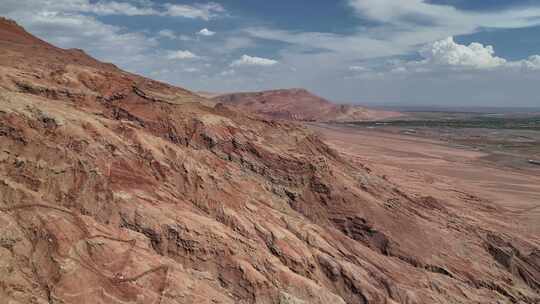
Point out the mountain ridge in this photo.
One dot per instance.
(119, 188)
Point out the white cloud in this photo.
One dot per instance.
(345, 47)
(181, 55)
(68, 30)
(160, 72)
(247, 60)
(421, 13)
(199, 11)
(448, 55)
(357, 68)
(230, 72)
(321, 59)
(399, 70)
(115, 8)
(448, 52)
(184, 38)
(532, 63)
(79, 6)
(403, 25)
(167, 34)
(191, 70)
(235, 43)
(204, 11)
(206, 32)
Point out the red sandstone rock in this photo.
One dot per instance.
(299, 104)
(118, 189)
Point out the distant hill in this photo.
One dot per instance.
(300, 104)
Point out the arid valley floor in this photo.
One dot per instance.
(427, 165)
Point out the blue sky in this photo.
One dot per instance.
(432, 52)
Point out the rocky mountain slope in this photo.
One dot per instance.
(299, 104)
(118, 189)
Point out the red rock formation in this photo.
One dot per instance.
(299, 104)
(118, 189)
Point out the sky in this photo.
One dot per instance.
(375, 52)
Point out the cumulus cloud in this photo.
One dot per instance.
(445, 57)
(532, 63)
(181, 55)
(206, 32)
(448, 52)
(247, 60)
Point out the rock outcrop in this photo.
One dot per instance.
(119, 189)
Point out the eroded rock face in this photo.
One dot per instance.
(118, 189)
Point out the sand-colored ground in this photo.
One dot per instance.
(430, 166)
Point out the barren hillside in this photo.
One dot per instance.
(300, 104)
(115, 188)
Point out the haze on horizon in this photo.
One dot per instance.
(399, 52)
